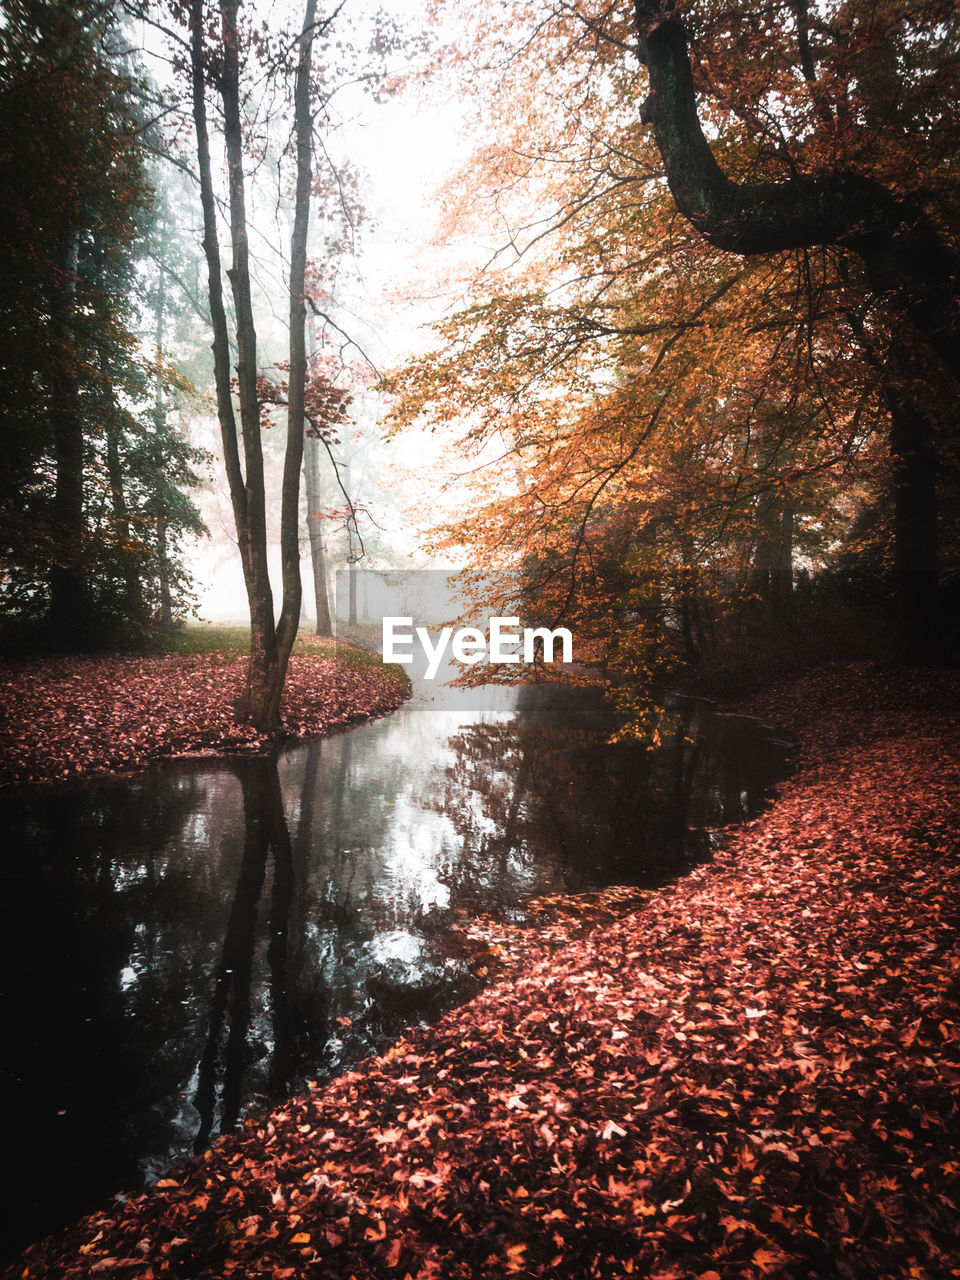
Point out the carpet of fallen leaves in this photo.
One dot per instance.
(63, 717)
(755, 1074)
(495, 946)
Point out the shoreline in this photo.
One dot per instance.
(73, 718)
(752, 1075)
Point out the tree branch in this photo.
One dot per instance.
(906, 261)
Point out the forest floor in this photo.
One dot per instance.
(66, 717)
(754, 1074)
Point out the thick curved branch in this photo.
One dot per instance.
(906, 261)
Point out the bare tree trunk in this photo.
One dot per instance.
(318, 555)
(781, 568)
(165, 615)
(68, 615)
(318, 559)
(239, 492)
(351, 528)
(296, 393)
(166, 594)
(264, 674)
(133, 598)
(218, 315)
(246, 493)
(132, 586)
(760, 567)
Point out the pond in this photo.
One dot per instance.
(205, 937)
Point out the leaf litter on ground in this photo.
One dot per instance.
(63, 718)
(755, 1074)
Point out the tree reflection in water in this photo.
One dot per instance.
(266, 833)
(546, 790)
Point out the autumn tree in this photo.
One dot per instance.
(857, 161)
(635, 385)
(642, 427)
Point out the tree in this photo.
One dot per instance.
(318, 559)
(271, 641)
(672, 386)
(325, 408)
(891, 204)
(644, 425)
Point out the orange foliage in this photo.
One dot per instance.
(636, 408)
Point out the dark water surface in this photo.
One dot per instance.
(203, 938)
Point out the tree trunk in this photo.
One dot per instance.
(296, 393)
(246, 492)
(165, 612)
(218, 314)
(351, 530)
(772, 570)
(318, 559)
(69, 603)
(687, 588)
(261, 703)
(239, 492)
(920, 632)
(781, 564)
(165, 616)
(132, 586)
(132, 594)
(352, 576)
(270, 641)
(760, 568)
(906, 259)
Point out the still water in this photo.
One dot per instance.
(198, 940)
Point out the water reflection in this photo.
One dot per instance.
(543, 796)
(205, 938)
(266, 834)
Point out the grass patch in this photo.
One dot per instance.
(234, 639)
(209, 637)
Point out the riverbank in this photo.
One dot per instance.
(755, 1074)
(68, 717)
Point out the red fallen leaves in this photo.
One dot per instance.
(754, 1075)
(64, 717)
(549, 922)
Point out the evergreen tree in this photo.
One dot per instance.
(84, 534)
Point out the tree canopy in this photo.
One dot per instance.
(714, 333)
